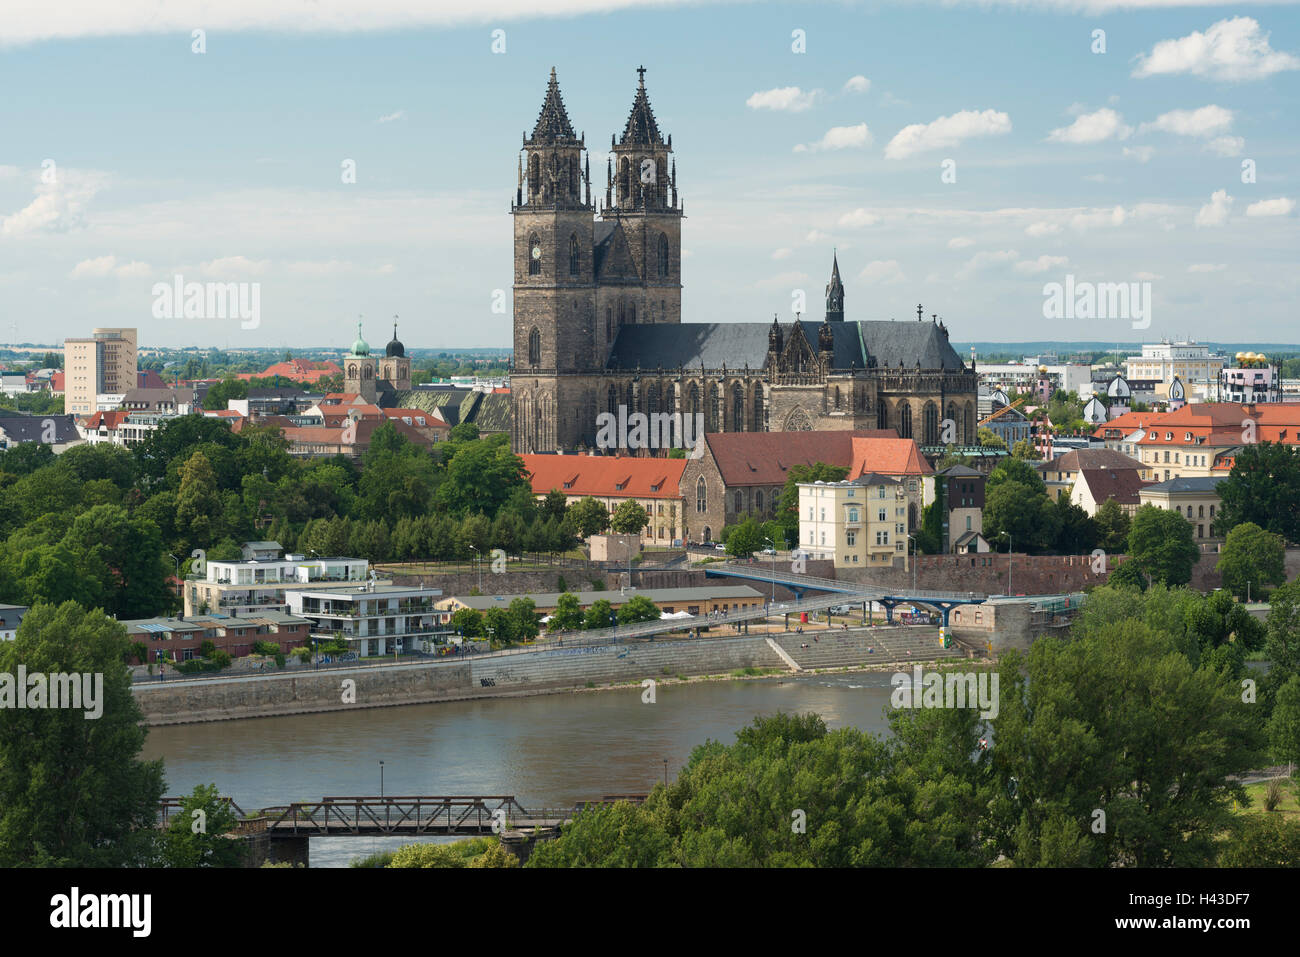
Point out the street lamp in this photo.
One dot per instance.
(773, 544)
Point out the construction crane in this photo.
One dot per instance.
(1006, 408)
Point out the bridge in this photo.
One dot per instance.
(400, 816)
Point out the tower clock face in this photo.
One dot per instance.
(537, 252)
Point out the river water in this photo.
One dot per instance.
(547, 750)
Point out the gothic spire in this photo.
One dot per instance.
(553, 121)
(641, 127)
(835, 293)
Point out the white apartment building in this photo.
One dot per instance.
(858, 524)
(249, 585)
(374, 619)
(1013, 376)
(1161, 361)
(104, 364)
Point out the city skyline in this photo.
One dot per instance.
(1123, 166)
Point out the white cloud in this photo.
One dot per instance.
(1271, 207)
(859, 217)
(816, 236)
(58, 207)
(1098, 217)
(389, 117)
(883, 272)
(1142, 154)
(330, 267)
(1105, 124)
(839, 138)
(229, 266)
(1039, 230)
(946, 131)
(1206, 121)
(960, 242)
(1207, 267)
(1147, 276)
(788, 99)
(986, 260)
(1033, 267)
(856, 84)
(781, 253)
(1233, 49)
(1226, 145)
(104, 266)
(1215, 212)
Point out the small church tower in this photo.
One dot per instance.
(359, 369)
(395, 367)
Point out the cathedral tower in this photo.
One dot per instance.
(641, 197)
(359, 369)
(835, 293)
(554, 300)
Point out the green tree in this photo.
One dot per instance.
(500, 626)
(73, 791)
(198, 506)
(567, 615)
(629, 517)
(554, 504)
(467, 622)
(1024, 512)
(638, 608)
(1264, 488)
(1284, 725)
(1128, 575)
(1262, 840)
(990, 439)
(481, 477)
(219, 393)
(1252, 560)
(523, 618)
(1076, 532)
(1112, 527)
(591, 517)
(600, 614)
(1161, 543)
(1026, 451)
(745, 539)
(195, 834)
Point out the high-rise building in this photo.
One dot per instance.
(104, 364)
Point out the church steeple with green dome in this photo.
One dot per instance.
(360, 347)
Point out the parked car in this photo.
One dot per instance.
(768, 551)
(719, 548)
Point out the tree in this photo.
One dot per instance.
(990, 439)
(481, 476)
(1016, 470)
(600, 614)
(1128, 575)
(73, 792)
(1076, 532)
(638, 608)
(523, 618)
(467, 622)
(554, 504)
(1263, 487)
(499, 626)
(198, 506)
(1262, 840)
(567, 615)
(1023, 511)
(1284, 725)
(1251, 560)
(1282, 636)
(1025, 450)
(590, 516)
(1161, 543)
(629, 518)
(1112, 527)
(744, 539)
(195, 836)
(219, 393)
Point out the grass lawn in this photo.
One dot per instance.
(1290, 806)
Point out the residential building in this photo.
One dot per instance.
(655, 483)
(248, 586)
(10, 617)
(58, 431)
(963, 513)
(1065, 471)
(1196, 499)
(373, 619)
(1252, 379)
(1190, 441)
(181, 638)
(1094, 487)
(1019, 376)
(858, 523)
(105, 363)
(1162, 361)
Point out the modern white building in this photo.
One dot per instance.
(1013, 376)
(248, 585)
(373, 619)
(1190, 361)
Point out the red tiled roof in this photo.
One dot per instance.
(107, 420)
(299, 370)
(764, 458)
(1086, 459)
(601, 475)
(888, 457)
(1223, 423)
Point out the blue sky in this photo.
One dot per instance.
(226, 165)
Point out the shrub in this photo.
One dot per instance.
(279, 659)
(302, 654)
(207, 648)
(1272, 795)
(265, 648)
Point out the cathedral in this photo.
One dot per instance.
(598, 317)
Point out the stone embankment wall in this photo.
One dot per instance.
(182, 702)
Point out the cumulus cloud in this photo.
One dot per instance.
(946, 131)
(1271, 207)
(389, 117)
(1098, 217)
(1215, 212)
(59, 206)
(816, 236)
(1032, 267)
(1226, 145)
(960, 242)
(1104, 124)
(982, 261)
(1041, 229)
(856, 84)
(781, 253)
(882, 272)
(1207, 267)
(1206, 121)
(858, 218)
(102, 267)
(839, 138)
(787, 99)
(1235, 49)
(231, 266)
(1142, 154)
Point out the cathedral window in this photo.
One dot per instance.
(693, 399)
(737, 408)
(837, 398)
(534, 175)
(701, 497)
(534, 254)
(739, 504)
(905, 422)
(534, 347)
(631, 313)
(609, 323)
(711, 409)
(575, 260)
(663, 254)
(930, 424)
(758, 501)
(613, 401)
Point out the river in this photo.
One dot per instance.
(548, 750)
